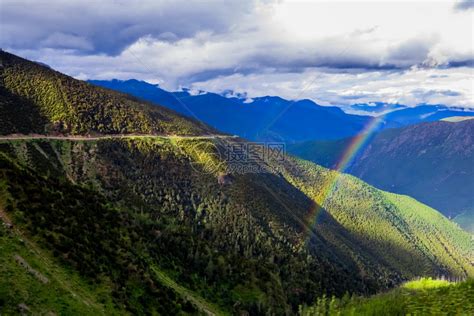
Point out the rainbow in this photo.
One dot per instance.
(346, 158)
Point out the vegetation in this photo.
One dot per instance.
(143, 225)
(58, 103)
(385, 221)
(431, 162)
(62, 291)
(182, 223)
(421, 297)
(196, 241)
(326, 153)
(91, 236)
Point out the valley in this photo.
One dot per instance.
(120, 205)
(238, 157)
(431, 162)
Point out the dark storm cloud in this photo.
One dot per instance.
(109, 26)
(89, 28)
(320, 59)
(340, 54)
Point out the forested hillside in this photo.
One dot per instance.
(432, 162)
(155, 214)
(161, 225)
(36, 99)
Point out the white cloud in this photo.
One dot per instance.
(432, 86)
(409, 52)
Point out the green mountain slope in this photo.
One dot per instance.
(146, 225)
(432, 162)
(218, 243)
(420, 297)
(384, 220)
(58, 103)
(34, 281)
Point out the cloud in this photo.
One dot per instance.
(435, 92)
(110, 26)
(418, 85)
(67, 41)
(359, 50)
(464, 5)
(409, 53)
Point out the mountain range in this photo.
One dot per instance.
(262, 119)
(272, 118)
(432, 162)
(113, 205)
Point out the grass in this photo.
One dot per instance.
(425, 296)
(426, 283)
(65, 293)
(194, 298)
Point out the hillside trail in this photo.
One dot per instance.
(113, 136)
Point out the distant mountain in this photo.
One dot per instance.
(146, 222)
(432, 162)
(398, 115)
(264, 118)
(422, 113)
(277, 119)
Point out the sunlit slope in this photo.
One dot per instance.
(37, 99)
(432, 162)
(399, 231)
(420, 297)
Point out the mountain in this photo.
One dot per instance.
(272, 118)
(264, 118)
(422, 113)
(433, 162)
(151, 222)
(56, 103)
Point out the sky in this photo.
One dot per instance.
(333, 52)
